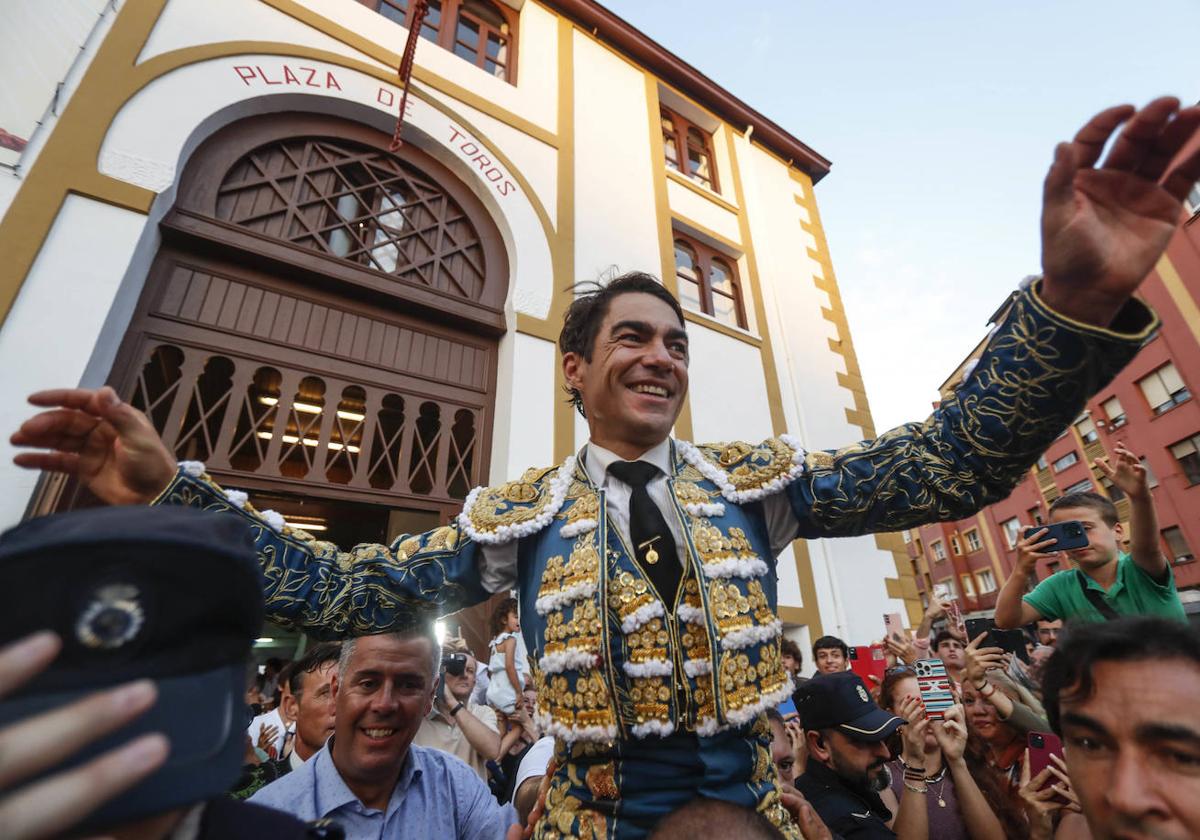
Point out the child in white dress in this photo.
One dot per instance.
(507, 664)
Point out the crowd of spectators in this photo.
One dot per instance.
(393, 736)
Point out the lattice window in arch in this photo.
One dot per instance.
(154, 391)
(359, 204)
(202, 423)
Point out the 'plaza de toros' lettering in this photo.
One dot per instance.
(470, 149)
(300, 77)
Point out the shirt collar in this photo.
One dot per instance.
(597, 460)
(826, 777)
(333, 793)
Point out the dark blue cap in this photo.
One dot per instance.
(170, 594)
(841, 701)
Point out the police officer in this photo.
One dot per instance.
(847, 760)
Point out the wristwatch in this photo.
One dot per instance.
(457, 709)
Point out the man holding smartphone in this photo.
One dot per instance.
(1105, 582)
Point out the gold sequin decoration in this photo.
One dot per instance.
(602, 781)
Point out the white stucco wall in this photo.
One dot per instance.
(727, 391)
(704, 212)
(615, 221)
(46, 341)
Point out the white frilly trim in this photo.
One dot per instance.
(741, 567)
(237, 498)
(641, 615)
(273, 519)
(507, 533)
(746, 636)
(705, 508)
(695, 667)
(571, 734)
(720, 478)
(576, 592)
(661, 728)
(649, 668)
(563, 660)
(690, 614)
(574, 529)
(195, 469)
(709, 727)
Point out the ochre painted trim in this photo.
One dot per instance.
(666, 239)
(852, 381)
(770, 372)
(808, 614)
(685, 181)
(982, 526)
(703, 320)
(564, 242)
(67, 162)
(1184, 302)
(734, 249)
(366, 46)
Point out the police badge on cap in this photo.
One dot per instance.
(112, 618)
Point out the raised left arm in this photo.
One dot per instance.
(1128, 474)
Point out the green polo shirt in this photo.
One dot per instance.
(1133, 593)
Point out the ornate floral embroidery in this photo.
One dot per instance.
(497, 515)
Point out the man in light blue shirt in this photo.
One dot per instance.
(368, 777)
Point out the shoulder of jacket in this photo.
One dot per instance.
(505, 512)
(746, 472)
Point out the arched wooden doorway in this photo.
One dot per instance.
(320, 325)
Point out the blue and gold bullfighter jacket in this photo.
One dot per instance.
(655, 697)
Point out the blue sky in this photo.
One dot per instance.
(940, 118)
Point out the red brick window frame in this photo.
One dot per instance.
(480, 31)
(688, 149)
(708, 281)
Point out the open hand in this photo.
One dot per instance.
(108, 444)
(49, 806)
(1128, 473)
(912, 710)
(1104, 228)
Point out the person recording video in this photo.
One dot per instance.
(457, 724)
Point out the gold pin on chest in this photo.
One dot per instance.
(651, 556)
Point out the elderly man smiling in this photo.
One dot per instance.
(368, 777)
(644, 564)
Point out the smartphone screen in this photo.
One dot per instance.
(893, 626)
(868, 661)
(934, 684)
(1042, 745)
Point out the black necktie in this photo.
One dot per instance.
(653, 546)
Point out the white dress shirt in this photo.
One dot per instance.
(498, 570)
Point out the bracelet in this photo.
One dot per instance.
(457, 709)
(922, 789)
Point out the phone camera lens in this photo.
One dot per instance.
(1037, 741)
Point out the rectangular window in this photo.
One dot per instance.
(1193, 199)
(1079, 487)
(939, 550)
(920, 547)
(1042, 463)
(986, 581)
(1114, 411)
(1164, 388)
(955, 546)
(1065, 461)
(1086, 429)
(1177, 547)
(1035, 516)
(968, 586)
(1114, 492)
(687, 148)
(973, 541)
(1012, 529)
(1187, 453)
(708, 281)
(907, 537)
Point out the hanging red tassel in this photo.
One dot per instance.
(420, 9)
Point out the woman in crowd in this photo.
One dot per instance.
(966, 799)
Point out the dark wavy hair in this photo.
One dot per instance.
(1086, 499)
(313, 660)
(501, 614)
(587, 311)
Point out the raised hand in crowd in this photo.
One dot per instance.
(51, 805)
(1104, 227)
(1128, 474)
(901, 651)
(795, 731)
(1126, 471)
(811, 826)
(1045, 795)
(109, 445)
(266, 739)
